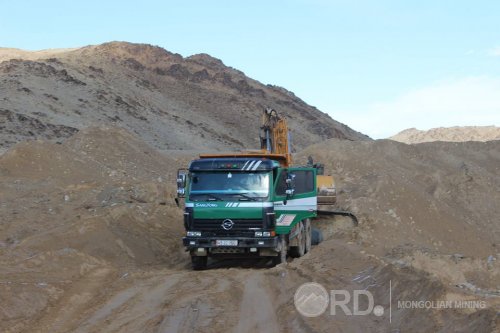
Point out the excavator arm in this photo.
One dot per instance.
(274, 135)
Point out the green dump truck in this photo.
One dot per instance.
(246, 207)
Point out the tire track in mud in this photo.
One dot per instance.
(131, 308)
(170, 301)
(257, 312)
(81, 295)
(224, 299)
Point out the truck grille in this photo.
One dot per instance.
(240, 226)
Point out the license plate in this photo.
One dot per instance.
(226, 242)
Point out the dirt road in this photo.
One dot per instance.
(227, 297)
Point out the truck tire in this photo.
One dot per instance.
(308, 231)
(316, 236)
(199, 262)
(300, 250)
(281, 257)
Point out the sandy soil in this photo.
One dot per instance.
(90, 241)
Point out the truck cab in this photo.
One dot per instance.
(246, 207)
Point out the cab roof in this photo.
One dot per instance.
(233, 164)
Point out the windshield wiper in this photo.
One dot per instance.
(212, 196)
(244, 195)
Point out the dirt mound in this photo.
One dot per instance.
(101, 180)
(436, 195)
(82, 212)
(450, 134)
(169, 101)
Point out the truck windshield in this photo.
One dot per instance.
(229, 186)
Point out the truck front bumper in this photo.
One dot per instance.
(243, 242)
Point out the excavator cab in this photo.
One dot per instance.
(327, 193)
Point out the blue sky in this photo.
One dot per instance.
(378, 66)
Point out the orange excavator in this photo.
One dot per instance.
(275, 143)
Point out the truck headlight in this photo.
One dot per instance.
(194, 233)
(266, 234)
(258, 234)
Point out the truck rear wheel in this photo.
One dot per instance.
(199, 262)
(316, 236)
(300, 249)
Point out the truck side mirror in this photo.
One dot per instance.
(181, 192)
(290, 187)
(290, 183)
(181, 183)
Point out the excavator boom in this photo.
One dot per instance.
(274, 135)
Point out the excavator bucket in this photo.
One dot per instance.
(327, 197)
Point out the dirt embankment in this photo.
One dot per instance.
(90, 241)
(442, 196)
(75, 217)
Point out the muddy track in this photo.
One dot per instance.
(227, 297)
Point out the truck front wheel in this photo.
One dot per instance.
(300, 249)
(281, 257)
(199, 262)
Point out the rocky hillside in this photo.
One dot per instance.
(451, 134)
(169, 101)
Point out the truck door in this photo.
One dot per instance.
(302, 204)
